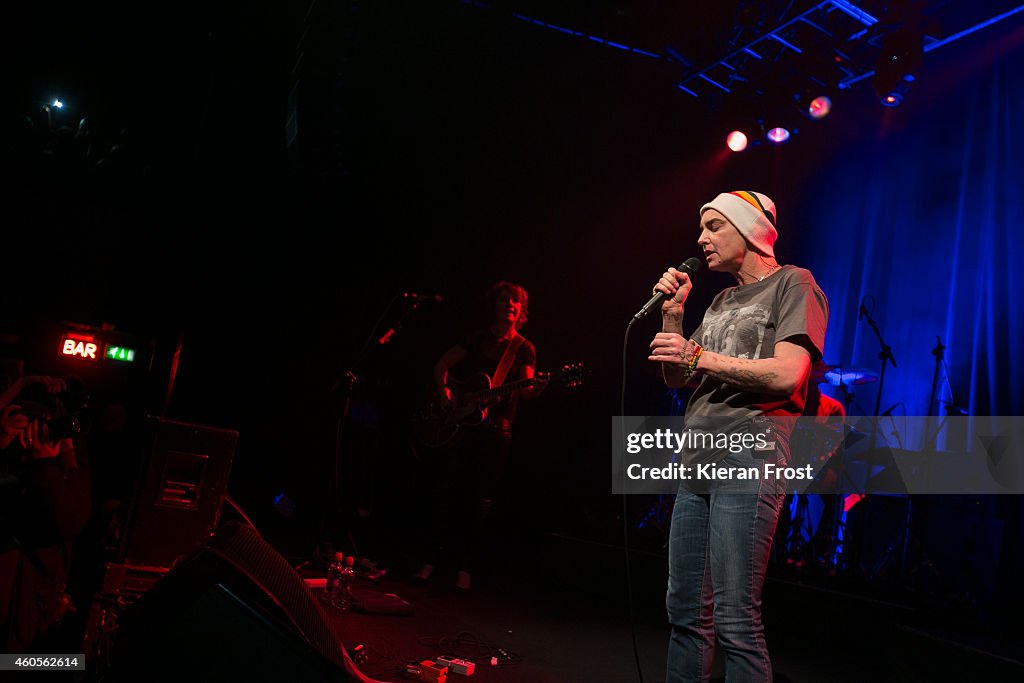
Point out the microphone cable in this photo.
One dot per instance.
(625, 506)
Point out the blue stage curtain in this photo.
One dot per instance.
(925, 213)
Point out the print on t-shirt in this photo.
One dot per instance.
(737, 332)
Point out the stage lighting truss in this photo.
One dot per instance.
(834, 45)
(903, 46)
(825, 49)
(804, 48)
(828, 46)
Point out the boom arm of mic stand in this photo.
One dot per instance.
(938, 352)
(885, 355)
(886, 351)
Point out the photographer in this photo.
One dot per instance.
(44, 503)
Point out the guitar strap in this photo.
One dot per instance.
(505, 364)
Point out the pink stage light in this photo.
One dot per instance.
(778, 135)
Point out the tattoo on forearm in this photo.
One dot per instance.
(747, 378)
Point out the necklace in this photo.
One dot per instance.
(770, 271)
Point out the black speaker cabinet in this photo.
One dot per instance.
(179, 491)
(233, 610)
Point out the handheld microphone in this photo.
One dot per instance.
(422, 298)
(690, 266)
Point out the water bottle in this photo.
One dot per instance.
(346, 578)
(334, 571)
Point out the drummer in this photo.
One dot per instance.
(814, 442)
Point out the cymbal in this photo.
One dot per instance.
(850, 376)
(818, 371)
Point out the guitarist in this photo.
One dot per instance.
(468, 474)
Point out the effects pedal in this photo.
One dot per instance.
(461, 667)
(427, 671)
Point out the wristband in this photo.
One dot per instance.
(696, 356)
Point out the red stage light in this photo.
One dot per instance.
(819, 107)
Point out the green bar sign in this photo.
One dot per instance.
(121, 353)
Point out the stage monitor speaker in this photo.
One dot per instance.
(179, 492)
(233, 610)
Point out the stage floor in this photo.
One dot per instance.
(561, 616)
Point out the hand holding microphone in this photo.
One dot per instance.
(676, 286)
(672, 288)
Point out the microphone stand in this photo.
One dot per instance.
(885, 355)
(929, 445)
(931, 439)
(344, 387)
(939, 353)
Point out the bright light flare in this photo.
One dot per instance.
(778, 135)
(736, 141)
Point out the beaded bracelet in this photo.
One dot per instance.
(696, 356)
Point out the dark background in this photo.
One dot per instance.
(439, 148)
(284, 170)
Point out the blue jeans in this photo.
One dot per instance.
(718, 555)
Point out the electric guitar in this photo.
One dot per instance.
(436, 427)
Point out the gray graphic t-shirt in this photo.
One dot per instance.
(746, 322)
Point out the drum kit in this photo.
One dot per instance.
(843, 378)
(814, 520)
(857, 473)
